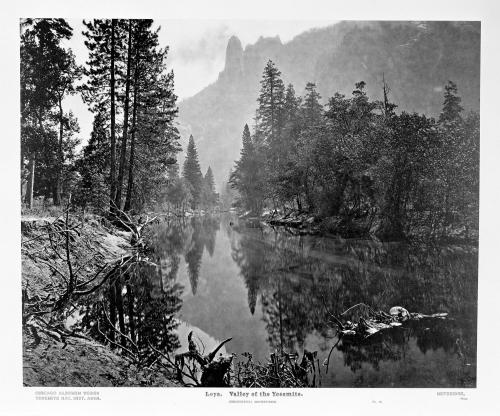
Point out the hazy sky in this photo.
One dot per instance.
(197, 51)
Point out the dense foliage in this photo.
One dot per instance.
(417, 58)
(359, 165)
(126, 77)
(130, 160)
(48, 73)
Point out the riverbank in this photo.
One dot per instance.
(56, 352)
(299, 223)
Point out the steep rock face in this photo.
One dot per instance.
(233, 68)
(416, 58)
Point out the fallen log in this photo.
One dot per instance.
(369, 321)
(213, 371)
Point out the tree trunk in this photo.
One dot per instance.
(113, 136)
(31, 181)
(58, 185)
(130, 298)
(112, 312)
(299, 204)
(118, 199)
(130, 184)
(119, 308)
(309, 193)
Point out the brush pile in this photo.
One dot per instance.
(363, 321)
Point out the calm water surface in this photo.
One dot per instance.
(266, 288)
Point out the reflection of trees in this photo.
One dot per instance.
(141, 306)
(252, 259)
(194, 255)
(434, 335)
(155, 308)
(137, 308)
(373, 350)
(169, 241)
(287, 324)
(186, 238)
(210, 227)
(299, 278)
(264, 271)
(391, 345)
(203, 235)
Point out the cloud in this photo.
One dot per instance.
(209, 47)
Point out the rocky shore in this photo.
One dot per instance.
(298, 223)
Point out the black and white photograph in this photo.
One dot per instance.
(239, 205)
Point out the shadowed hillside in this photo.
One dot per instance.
(416, 58)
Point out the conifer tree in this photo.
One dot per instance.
(211, 196)
(94, 168)
(153, 135)
(209, 180)
(69, 74)
(123, 151)
(192, 172)
(312, 110)
(48, 73)
(246, 177)
(287, 173)
(104, 41)
(143, 93)
(291, 105)
(270, 114)
(451, 106)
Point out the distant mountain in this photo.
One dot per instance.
(416, 58)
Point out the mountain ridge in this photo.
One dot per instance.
(416, 58)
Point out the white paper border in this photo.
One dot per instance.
(16, 400)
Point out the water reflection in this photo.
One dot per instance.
(187, 238)
(139, 309)
(271, 290)
(300, 280)
(134, 312)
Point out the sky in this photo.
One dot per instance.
(196, 51)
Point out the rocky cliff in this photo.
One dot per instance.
(416, 58)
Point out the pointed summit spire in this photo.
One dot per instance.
(234, 57)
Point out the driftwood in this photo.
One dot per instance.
(193, 368)
(214, 372)
(365, 321)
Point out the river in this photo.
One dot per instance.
(268, 289)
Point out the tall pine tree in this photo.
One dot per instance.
(247, 177)
(153, 136)
(192, 172)
(104, 41)
(451, 106)
(209, 197)
(48, 73)
(271, 100)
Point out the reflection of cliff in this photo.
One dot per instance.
(417, 58)
(299, 280)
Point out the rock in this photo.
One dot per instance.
(399, 312)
